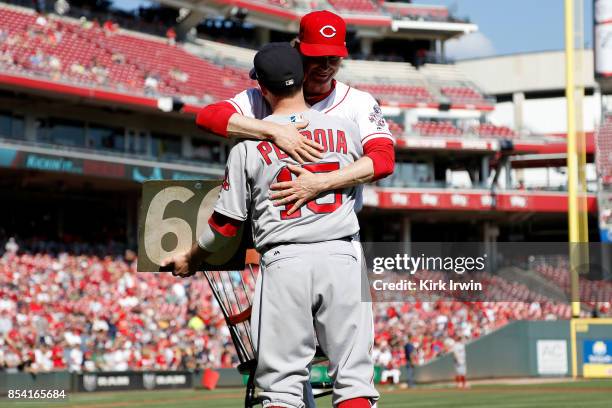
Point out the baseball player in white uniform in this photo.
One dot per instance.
(310, 276)
(321, 43)
(459, 356)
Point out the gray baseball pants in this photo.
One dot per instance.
(305, 290)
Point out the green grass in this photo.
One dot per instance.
(581, 394)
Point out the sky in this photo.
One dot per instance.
(512, 26)
(505, 26)
(129, 4)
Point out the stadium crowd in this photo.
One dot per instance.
(433, 327)
(85, 313)
(89, 313)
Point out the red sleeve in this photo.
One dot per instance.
(382, 153)
(215, 117)
(226, 226)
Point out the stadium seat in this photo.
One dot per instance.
(463, 95)
(409, 11)
(427, 128)
(397, 92)
(362, 6)
(395, 128)
(490, 130)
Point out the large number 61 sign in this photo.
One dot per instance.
(173, 213)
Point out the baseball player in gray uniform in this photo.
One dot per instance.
(310, 277)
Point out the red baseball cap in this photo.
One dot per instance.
(322, 34)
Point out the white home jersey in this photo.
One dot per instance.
(458, 351)
(253, 166)
(344, 102)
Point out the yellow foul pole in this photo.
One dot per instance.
(572, 157)
(583, 220)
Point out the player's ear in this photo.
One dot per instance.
(264, 90)
(268, 96)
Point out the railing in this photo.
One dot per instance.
(119, 88)
(471, 134)
(401, 183)
(397, 181)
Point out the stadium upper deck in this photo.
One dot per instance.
(356, 11)
(90, 55)
(433, 109)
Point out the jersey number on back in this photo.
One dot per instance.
(286, 175)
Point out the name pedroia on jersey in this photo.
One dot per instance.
(332, 140)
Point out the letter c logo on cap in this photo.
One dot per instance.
(328, 31)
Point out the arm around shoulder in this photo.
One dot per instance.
(215, 117)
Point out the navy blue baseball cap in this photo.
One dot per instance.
(278, 66)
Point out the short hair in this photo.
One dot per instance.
(285, 92)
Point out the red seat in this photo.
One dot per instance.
(490, 130)
(426, 128)
(365, 6)
(142, 57)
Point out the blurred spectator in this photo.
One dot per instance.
(6, 57)
(55, 65)
(408, 355)
(75, 359)
(178, 75)
(110, 27)
(42, 359)
(421, 56)
(78, 69)
(171, 36)
(54, 37)
(388, 364)
(6, 323)
(41, 20)
(61, 7)
(227, 81)
(86, 24)
(11, 247)
(151, 84)
(196, 323)
(37, 60)
(99, 71)
(118, 58)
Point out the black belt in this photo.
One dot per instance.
(271, 246)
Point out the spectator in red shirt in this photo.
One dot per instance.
(110, 27)
(171, 36)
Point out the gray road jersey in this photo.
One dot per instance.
(253, 166)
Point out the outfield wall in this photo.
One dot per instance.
(593, 344)
(59, 380)
(520, 349)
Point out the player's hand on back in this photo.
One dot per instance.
(289, 139)
(299, 191)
